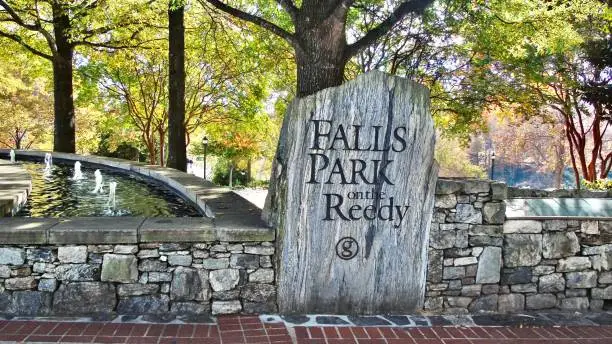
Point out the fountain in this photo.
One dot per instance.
(78, 175)
(48, 161)
(12, 154)
(112, 186)
(89, 197)
(98, 176)
(48, 164)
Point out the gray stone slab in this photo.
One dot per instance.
(349, 228)
(96, 230)
(222, 201)
(25, 230)
(177, 229)
(243, 228)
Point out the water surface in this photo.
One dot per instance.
(55, 194)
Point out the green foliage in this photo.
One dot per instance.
(25, 101)
(598, 185)
(477, 56)
(454, 160)
(221, 174)
(259, 184)
(124, 150)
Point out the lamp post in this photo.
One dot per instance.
(492, 164)
(205, 143)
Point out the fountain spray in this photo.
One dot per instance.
(78, 175)
(98, 176)
(112, 186)
(48, 164)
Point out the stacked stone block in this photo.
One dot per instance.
(150, 278)
(479, 261)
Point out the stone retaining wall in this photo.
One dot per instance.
(148, 278)
(478, 261)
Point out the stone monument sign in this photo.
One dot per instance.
(351, 196)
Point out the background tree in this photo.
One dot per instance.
(238, 143)
(538, 142)
(25, 103)
(52, 29)
(138, 83)
(553, 69)
(226, 81)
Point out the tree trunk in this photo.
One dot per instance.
(559, 166)
(177, 151)
(64, 139)
(320, 56)
(231, 175)
(18, 139)
(248, 171)
(150, 142)
(597, 145)
(162, 147)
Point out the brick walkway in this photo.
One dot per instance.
(249, 329)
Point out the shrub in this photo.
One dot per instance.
(601, 184)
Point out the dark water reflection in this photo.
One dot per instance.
(56, 195)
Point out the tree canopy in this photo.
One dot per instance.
(94, 76)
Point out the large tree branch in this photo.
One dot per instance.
(30, 48)
(16, 18)
(108, 28)
(410, 6)
(116, 45)
(253, 19)
(46, 34)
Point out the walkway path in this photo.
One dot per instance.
(255, 196)
(253, 329)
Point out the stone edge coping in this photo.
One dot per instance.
(123, 230)
(518, 208)
(544, 218)
(514, 192)
(14, 197)
(210, 199)
(525, 319)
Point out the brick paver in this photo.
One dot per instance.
(250, 329)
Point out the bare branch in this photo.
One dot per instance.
(253, 19)
(411, 6)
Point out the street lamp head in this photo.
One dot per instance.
(493, 155)
(205, 140)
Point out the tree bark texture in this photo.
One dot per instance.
(64, 137)
(321, 50)
(321, 53)
(177, 147)
(354, 161)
